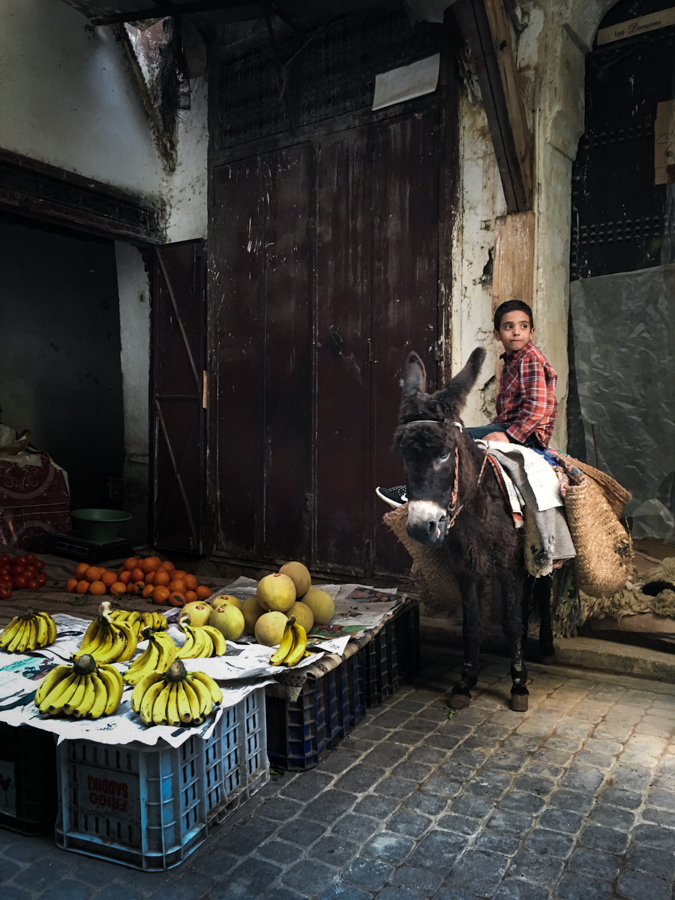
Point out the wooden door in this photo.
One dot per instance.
(178, 397)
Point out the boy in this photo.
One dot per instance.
(526, 404)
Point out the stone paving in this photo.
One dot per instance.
(574, 800)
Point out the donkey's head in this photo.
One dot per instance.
(426, 440)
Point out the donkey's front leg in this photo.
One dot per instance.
(512, 590)
(460, 696)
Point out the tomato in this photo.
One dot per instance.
(4, 559)
(41, 578)
(19, 582)
(5, 570)
(32, 584)
(39, 564)
(16, 570)
(31, 559)
(5, 592)
(29, 572)
(19, 560)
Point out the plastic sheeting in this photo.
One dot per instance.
(623, 329)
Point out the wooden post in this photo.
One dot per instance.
(512, 276)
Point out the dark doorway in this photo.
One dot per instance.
(60, 370)
(329, 247)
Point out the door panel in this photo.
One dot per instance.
(179, 353)
(237, 302)
(287, 192)
(405, 291)
(343, 249)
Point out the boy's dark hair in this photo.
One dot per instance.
(509, 306)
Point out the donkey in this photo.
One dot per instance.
(454, 496)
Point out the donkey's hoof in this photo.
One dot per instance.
(457, 700)
(519, 702)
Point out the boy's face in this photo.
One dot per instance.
(514, 330)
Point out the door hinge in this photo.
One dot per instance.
(205, 390)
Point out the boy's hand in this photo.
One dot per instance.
(497, 436)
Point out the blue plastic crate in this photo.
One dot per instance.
(301, 733)
(393, 655)
(151, 807)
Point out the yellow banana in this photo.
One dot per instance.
(187, 651)
(100, 702)
(50, 680)
(112, 686)
(172, 706)
(203, 695)
(87, 700)
(10, 630)
(142, 686)
(285, 646)
(146, 662)
(55, 703)
(149, 699)
(193, 700)
(213, 689)
(219, 643)
(19, 637)
(42, 635)
(183, 704)
(159, 711)
(91, 633)
(299, 645)
(131, 641)
(167, 650)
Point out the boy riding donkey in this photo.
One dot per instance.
(526, 414)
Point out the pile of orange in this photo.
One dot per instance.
(150, 578)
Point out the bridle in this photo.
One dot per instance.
(454, 496)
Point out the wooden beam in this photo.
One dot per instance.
(484, 26)
(513, 262)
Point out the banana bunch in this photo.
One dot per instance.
(200, 642)
(29, 631)
(133, 619)
(84, 690)
(175, 697)
(156, 658)
(293, 645)
(154, 620)
(107, 640)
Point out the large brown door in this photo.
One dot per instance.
(178, 395)
(327, 247)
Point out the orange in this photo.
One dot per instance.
(190, 597)
(108, 578)
(150, 577)
(203, 593)
(160, 594)
(92, 574)
(130, 563)
(137, 574)
(71, 584)
(125, 577)
(168, 565)
(80, 570)
(133, 588)
(190, 582)
(97, 588)
(177, 598)
(162, 577)
(82, 587)
(149, 564)
(177, 585)
(148, 591)
(118, 588)
(157, 560)
(178, 573)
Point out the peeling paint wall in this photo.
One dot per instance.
(550, 55)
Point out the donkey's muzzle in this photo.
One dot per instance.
(427, 522)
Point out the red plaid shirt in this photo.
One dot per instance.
(526, 401)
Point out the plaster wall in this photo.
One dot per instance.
(550, 55)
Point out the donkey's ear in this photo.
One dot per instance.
(414, 378)
(453, 396)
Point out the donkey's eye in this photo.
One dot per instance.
(444, 458)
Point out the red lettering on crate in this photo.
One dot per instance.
(106, 791)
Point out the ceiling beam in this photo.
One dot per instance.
(484, 25)
(166, 8)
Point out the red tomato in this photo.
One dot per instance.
(19, 582)
(5, 592)
(31, 559)
(39, 564)
(32, 584)
(4, 559)
(41, 578)
(19, 561)
(29, 572)
(16, 570)
(5, 570)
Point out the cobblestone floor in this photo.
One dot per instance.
(574, 800)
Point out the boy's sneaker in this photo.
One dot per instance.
(394, 496)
